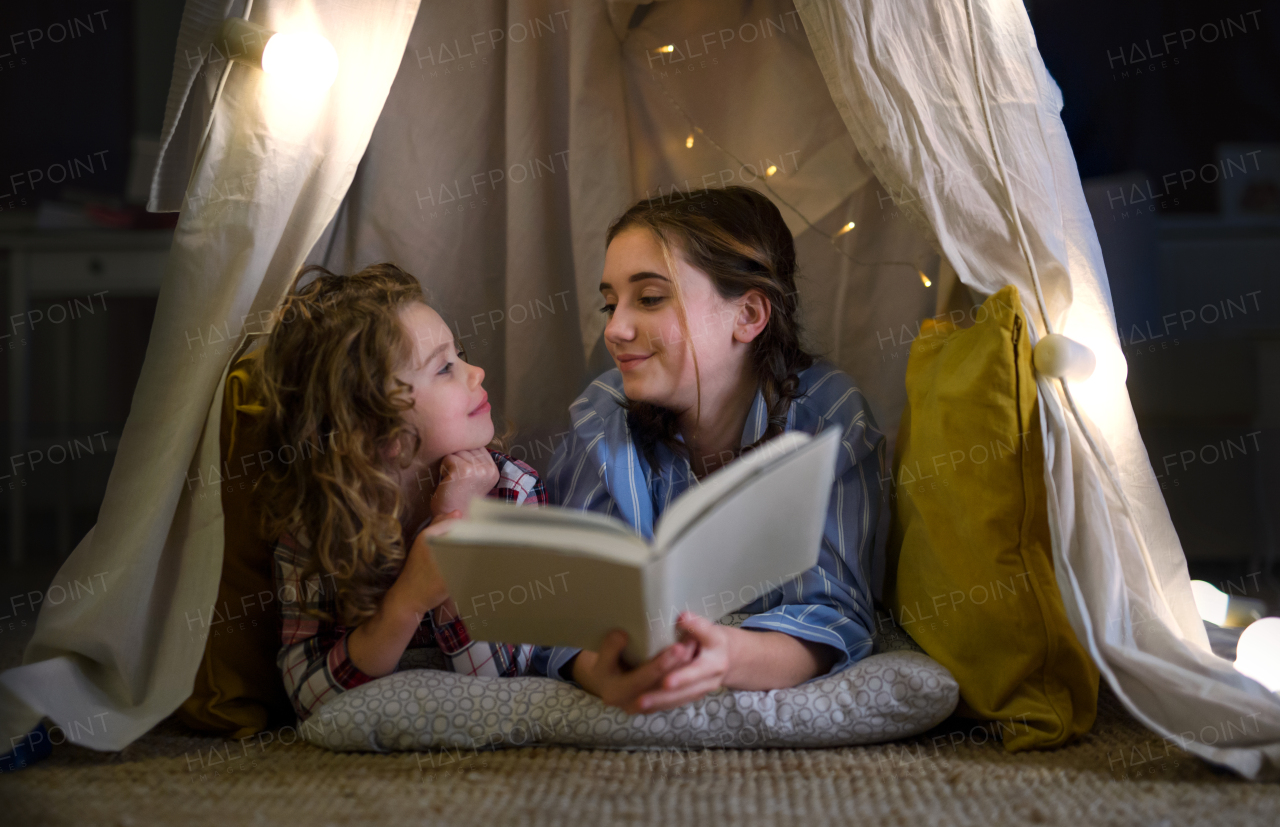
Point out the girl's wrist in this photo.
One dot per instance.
(579, 667)
(737, 642)
(375, 646)
(399, 604)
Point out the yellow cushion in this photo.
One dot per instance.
(238, 690)
(970, 574)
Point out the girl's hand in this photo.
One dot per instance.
(420, 587)
(706, 671)
(603, 675)
(463, 475)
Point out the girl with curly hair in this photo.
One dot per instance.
(391, 435)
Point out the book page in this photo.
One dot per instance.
(752, 542)
(544, 597)
(695, 502)
(571, 540)
(488, 510)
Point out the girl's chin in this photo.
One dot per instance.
(638, 390)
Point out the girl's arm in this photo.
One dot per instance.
(313, 660)
(376, 646)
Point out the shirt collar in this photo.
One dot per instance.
(757, 421)
(754, 427)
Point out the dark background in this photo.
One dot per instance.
(1170, 117)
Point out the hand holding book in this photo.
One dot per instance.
(605, 675)
(557, 576)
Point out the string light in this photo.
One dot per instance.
(768, 173)
(1258, 652)
(664, 50)
(304, 62)
(925, 279)
(1210, 602)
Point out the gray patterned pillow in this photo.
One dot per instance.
(894, 694)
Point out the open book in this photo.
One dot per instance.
(562, 577)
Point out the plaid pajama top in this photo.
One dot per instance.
(313, 657)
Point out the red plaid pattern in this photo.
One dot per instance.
(313, 657)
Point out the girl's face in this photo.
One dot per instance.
(644, 336)
(450, 408)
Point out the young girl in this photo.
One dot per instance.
(701, 300)
(389, 426)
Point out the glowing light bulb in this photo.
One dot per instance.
(1063, 357)
(846, 228)
(688, 142)
(1258, 652)
(924, 279)
(665, 50)
(771, 170)
(301, 59)
(1210, 603)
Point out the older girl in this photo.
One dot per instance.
(393, 435)
(701, 301)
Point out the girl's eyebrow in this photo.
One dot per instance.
(641, 276)
(439, 349)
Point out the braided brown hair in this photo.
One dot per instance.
(738, 238)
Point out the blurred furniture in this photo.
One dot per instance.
(80, 269)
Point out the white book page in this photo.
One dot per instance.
(544, 596)
(753, 542)
(569, 540)
(696, 501)
(488, 510)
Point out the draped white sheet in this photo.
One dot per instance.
(904, 76)
(106, 669)
(870, 111)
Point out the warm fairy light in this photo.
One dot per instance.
(1064, 358)
(924, 279)
(304, 60)
(771, 170)
(846, 228)
(688, 142)
(665, 50)
(1258, 652)
(298, 62)
(1210, 602)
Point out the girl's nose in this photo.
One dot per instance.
(477, 375)
(620, 328)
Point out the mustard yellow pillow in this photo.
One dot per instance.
(238, 690)
(970, 574)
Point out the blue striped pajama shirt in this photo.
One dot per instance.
(599, 468)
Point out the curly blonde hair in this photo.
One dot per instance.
(327, 380)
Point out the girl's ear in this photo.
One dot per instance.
(392, 449)
(753, 316)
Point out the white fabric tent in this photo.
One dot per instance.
(930, 124)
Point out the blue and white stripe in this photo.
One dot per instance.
(598, 468)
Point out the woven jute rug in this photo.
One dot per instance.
(957, 774)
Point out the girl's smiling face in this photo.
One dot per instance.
(450, 407)
(644, 335)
